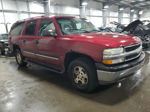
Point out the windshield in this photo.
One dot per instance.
(3, 36)
(70, 26)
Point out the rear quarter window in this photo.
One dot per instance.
(16, 29)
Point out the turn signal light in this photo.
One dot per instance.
(115, 61)
(107, 61)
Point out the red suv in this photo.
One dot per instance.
(73, 45)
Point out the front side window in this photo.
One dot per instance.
(45, 24)
(70, 26)
(30, 28)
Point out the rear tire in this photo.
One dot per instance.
(83, 75)
(20, 58)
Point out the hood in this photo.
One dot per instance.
(132, 26)
(108, 40)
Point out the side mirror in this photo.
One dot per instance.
(49, 33)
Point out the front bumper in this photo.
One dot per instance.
(111, 74)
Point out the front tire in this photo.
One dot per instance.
(19, 58)
(83, 75)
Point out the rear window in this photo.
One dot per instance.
(30, 28)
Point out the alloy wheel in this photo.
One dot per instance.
(80, 76)
(18, 57)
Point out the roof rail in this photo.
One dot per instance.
(30, 18)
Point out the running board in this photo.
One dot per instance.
(46, 66)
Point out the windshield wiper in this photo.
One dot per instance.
(86, 31)
(95, 31)
(82, 30)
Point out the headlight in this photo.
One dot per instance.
(113, 51)
(110, 52)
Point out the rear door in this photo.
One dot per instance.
(47, 50)
(28, 39)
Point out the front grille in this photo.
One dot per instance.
(132, 47)
(132, 56)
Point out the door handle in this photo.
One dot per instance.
(37, 41)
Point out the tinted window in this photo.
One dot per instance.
(45, 24)
(16, 29)
(30, 28)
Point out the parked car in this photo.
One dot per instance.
(142, 31)
(118, 27)
(137, 28)
(3, 44)
(68, 44)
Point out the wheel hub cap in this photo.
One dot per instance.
(18, 58)
(80, 75)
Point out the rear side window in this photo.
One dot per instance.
(30, 28)
(16, 29)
